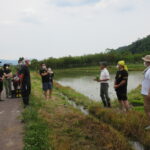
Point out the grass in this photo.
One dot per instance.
(131, 124)
(135, 97)
(56, 125)
(36, 128)
(72, 130)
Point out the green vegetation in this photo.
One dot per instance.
(36, 129)
(55, 124)
(131, 54)
(131, 124)
(136, 99)
(139, 46)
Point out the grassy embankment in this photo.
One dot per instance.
(55, 124)
(131, 124)
(136, 99)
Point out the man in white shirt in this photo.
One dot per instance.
(104, 83)
(146, 87)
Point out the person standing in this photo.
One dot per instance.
(121, 82)
(104, 85)
(146, 87)
(7, 79)
(45, 75)
(25, 82)
(51, 76)
(1, 81)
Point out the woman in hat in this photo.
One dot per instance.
(146, 87)
(121, 82)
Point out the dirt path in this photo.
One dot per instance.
(11, 128)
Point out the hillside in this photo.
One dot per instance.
(139, 46)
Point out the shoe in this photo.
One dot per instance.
(147, 128)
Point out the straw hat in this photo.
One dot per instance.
(146, 58)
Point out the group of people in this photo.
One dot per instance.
(19, 84)
(121, 83)
(22, 81)
(11, 82)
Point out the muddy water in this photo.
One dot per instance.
(138, 146)
(87, 86)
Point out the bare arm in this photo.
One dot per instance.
(44, 74)
(8, 75)
(120, 84)
(102, 80)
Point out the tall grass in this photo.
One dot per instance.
(131, 124)
(56, 125)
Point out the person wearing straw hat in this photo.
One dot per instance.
(121, 82)
(146, 87)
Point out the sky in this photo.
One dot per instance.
(55, 28)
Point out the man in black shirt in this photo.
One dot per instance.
(46, 81)
(121, 82)
(7, 79)
(1, 80)
(25, 82)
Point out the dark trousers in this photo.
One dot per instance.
(104, 94)
(25, 91)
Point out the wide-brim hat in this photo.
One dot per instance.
(146, 58)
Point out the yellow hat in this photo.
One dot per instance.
(122, 63)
